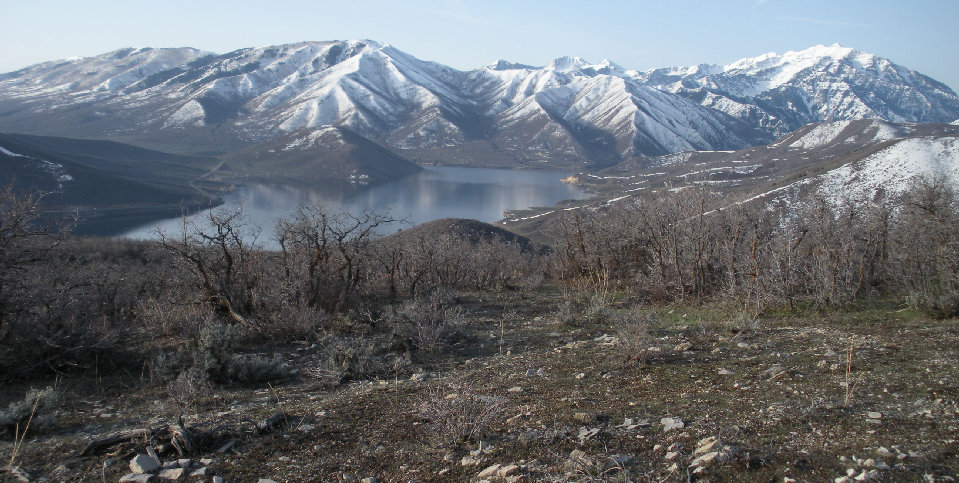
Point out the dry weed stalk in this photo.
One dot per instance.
(850, 386)
(18, 437)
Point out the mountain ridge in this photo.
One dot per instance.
(569, 113)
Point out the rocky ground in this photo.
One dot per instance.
(691, 394)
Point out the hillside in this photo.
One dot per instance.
(105, 182)
(854, 160)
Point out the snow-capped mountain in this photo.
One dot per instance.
(781, 93)
(567, 113)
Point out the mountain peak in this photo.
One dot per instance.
(579, 65)
(567, 64)
(507, 65)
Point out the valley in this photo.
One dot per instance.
(336, 261)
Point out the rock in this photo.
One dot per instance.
(670, 424)
(671, 455)
(217, 479)
(773, 371)
(489, 471)
(265, 480)
(152, 453)
(370, 479)
(725, 372)
(577, 455)
(830, 353)
(142, 463)
(705, 459)
(135, 478)
(587, 433)
(742, 345)
(171, 474)
(581, 375)
(874, 415)
(200, 472)
(507, 470)
(683, 347)
(843, 479)
(306, 428)
(621, 459)
(884, 452)
(484, 447)
(419, 376)
(706, 445)
(206, 461)
(867, 475)
(471, 460)
(630, 424)
(515, 389)
(881, 465)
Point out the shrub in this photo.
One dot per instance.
(430, 322)
(355, 358)
(461, 415)
(635, 331)
(189, 388)
(34, 408)
(214, 355)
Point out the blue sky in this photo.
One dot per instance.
(921, 35)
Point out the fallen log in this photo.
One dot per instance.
(133, 435)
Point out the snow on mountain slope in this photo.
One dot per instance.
(891, 170)
(85, 77)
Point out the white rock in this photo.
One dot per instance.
(171, 474)
(705, 459)
(874, 415)
(142, 463)
(135, 478)
(670, 424)
(706, 445)
(489, 471)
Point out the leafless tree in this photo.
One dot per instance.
(330, 253)
(222, 257)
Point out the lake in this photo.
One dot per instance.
(437, 192)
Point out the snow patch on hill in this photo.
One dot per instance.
(820, 135)
(11, 153)
(893, 169)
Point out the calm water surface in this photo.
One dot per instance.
(437, 192)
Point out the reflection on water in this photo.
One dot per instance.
(437, 192)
